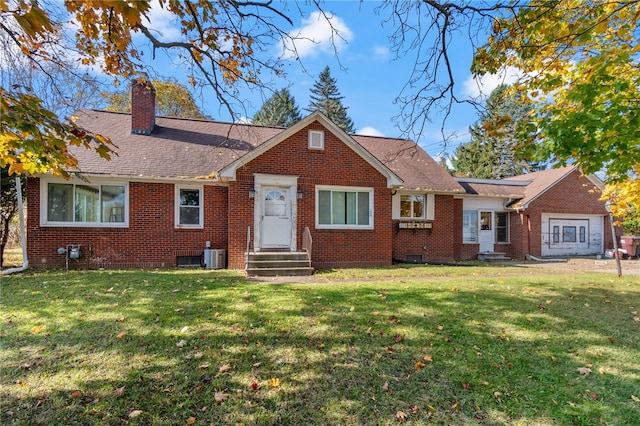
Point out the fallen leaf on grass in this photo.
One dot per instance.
(119, 391)
(203, 366)
(134, 414)
(76, 394)
(428, 358)
(191, 420)
(584, 371)
(635, 398)
(225, 368)
(401, 416)
(274, 382)
(398, 338)
(181, 343)
(419, 365)
(254, 385)
(122, 334)
(221, 396)
(466, 386)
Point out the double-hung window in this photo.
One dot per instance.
(189, 212)
(344, 207)
(412, 206)
(85, 204)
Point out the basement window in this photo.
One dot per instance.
(189, 261)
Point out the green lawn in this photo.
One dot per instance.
(419, 345)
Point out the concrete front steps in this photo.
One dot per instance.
(493, 257)
(272, 264)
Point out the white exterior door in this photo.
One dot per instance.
(275, 212)
(276, 219)
(486, 236)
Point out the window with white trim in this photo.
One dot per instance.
(189, 211)
(85, 204)
(316, 139)
(412, 206)
(470, 226)
(338, 207)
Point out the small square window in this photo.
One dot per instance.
(316, 139)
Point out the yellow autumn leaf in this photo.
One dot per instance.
(274, 382)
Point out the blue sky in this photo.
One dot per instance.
(367, 73)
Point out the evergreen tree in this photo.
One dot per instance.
(491, 153)
(325, 97)
(280, 110)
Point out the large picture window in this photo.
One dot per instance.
(85, 204)
(189, 213)
(344, 208)
(412, 206)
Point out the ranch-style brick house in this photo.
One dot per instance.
(184, 192)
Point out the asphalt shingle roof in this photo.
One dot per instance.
(185, 148)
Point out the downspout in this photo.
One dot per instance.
(23, 237)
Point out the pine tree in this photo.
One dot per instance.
(325, 97)
(280, 110)
(493, 154)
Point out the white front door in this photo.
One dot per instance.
(486, 234)
(276, 218)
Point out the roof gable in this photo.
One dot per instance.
(229, 172)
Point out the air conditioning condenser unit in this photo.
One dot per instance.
(215, 259)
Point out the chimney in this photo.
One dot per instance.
(143, 105)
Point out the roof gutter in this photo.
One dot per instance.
(23, 236)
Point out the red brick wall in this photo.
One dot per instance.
(336, 165)
(572, 195)
(143, 107)
(151, 240)
(436, 244)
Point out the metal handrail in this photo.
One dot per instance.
(246, 253)
(307, 242)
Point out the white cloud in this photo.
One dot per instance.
(483, 86)
(381, 52)
(163, 23)
(319, 33)
(369, 131)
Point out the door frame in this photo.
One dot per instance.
(489, 235)
(290, 184)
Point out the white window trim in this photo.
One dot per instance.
(429, 208)
(319, 138)
(346, 189)
(477, 233)
(200, 225)
(44, 207)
